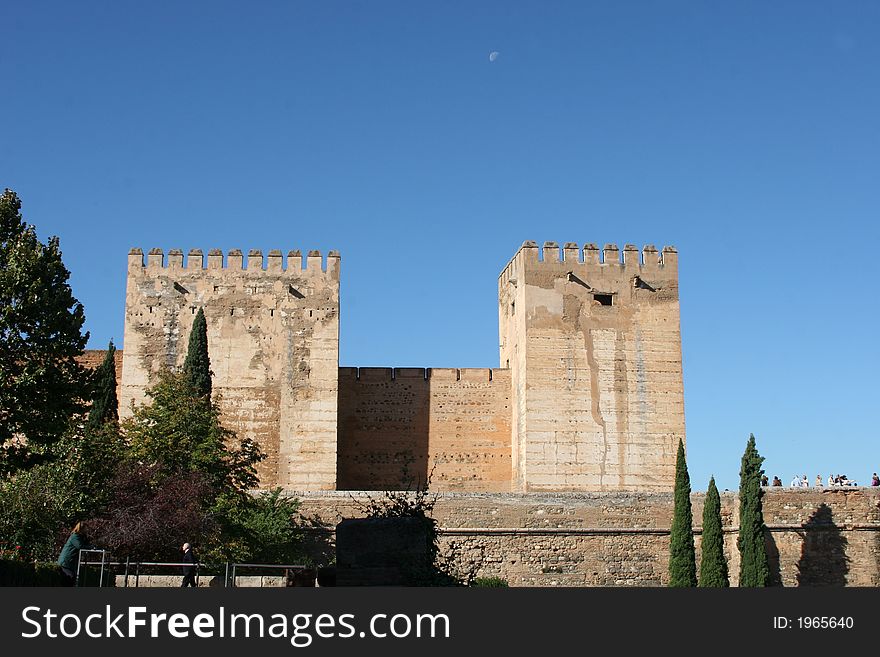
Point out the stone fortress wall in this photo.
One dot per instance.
(555, 469)
(589, 397)
(814, 537)
(397, 427)
(273, 339)
(593, 343)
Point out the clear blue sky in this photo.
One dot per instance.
(746, 134)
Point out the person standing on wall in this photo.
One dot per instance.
(189, 572)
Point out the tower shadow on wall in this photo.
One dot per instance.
(384, 419)
(773, 561)
(823, 559)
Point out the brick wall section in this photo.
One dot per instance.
(397, 426)
(92, 358)
(815, 537)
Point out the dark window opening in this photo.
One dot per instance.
(604, 299)
(513, 308)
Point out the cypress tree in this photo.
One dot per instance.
(754, 569)
(197, 365)
(682, 556)
(713, 566)
(104, 402)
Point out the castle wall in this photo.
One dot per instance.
(398, 426)
(92, 359)
(273, 339)
(815, 537)
(594, 346)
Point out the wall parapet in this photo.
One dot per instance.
(483, 374)
(234, 260)
(630, 257)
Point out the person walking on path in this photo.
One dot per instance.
(189, 572)
(69, 558)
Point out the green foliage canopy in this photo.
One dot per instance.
(41, 383)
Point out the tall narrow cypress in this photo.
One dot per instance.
(105, 406)
(682, 556)
(754, 569)
(197, 365)
(713, 566)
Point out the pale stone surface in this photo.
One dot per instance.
(589, 396)
(273, 339)
(598, 392)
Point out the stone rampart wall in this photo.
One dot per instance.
(398, 426)
(815, 537)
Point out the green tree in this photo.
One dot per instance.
(754, 569)
(41, 383)
(180, 431)
(682, 556)
(105, 405)
(262, 529)
(713, 566)
(198, 364)
(40, 504)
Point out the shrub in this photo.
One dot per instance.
(490, 582)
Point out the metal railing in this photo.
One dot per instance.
(133, 569)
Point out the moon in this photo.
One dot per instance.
(493, 55)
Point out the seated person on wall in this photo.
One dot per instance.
(777, 481)
(875, 480)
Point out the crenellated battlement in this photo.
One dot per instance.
(589, 395)
(387, 374)
(234, 260)
(609, 256)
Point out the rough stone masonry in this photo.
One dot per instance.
(588, 397)
(554, 469)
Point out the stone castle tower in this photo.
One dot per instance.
(593, 345)
(589, 395)
(273, 339)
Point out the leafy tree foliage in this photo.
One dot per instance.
(682, 556)
(38, 506)
(198, 364)
(180, 431)
(148, 521)
(41, 383)
(262, 529)
(754, 569)
(713, 566)
(105, 405)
